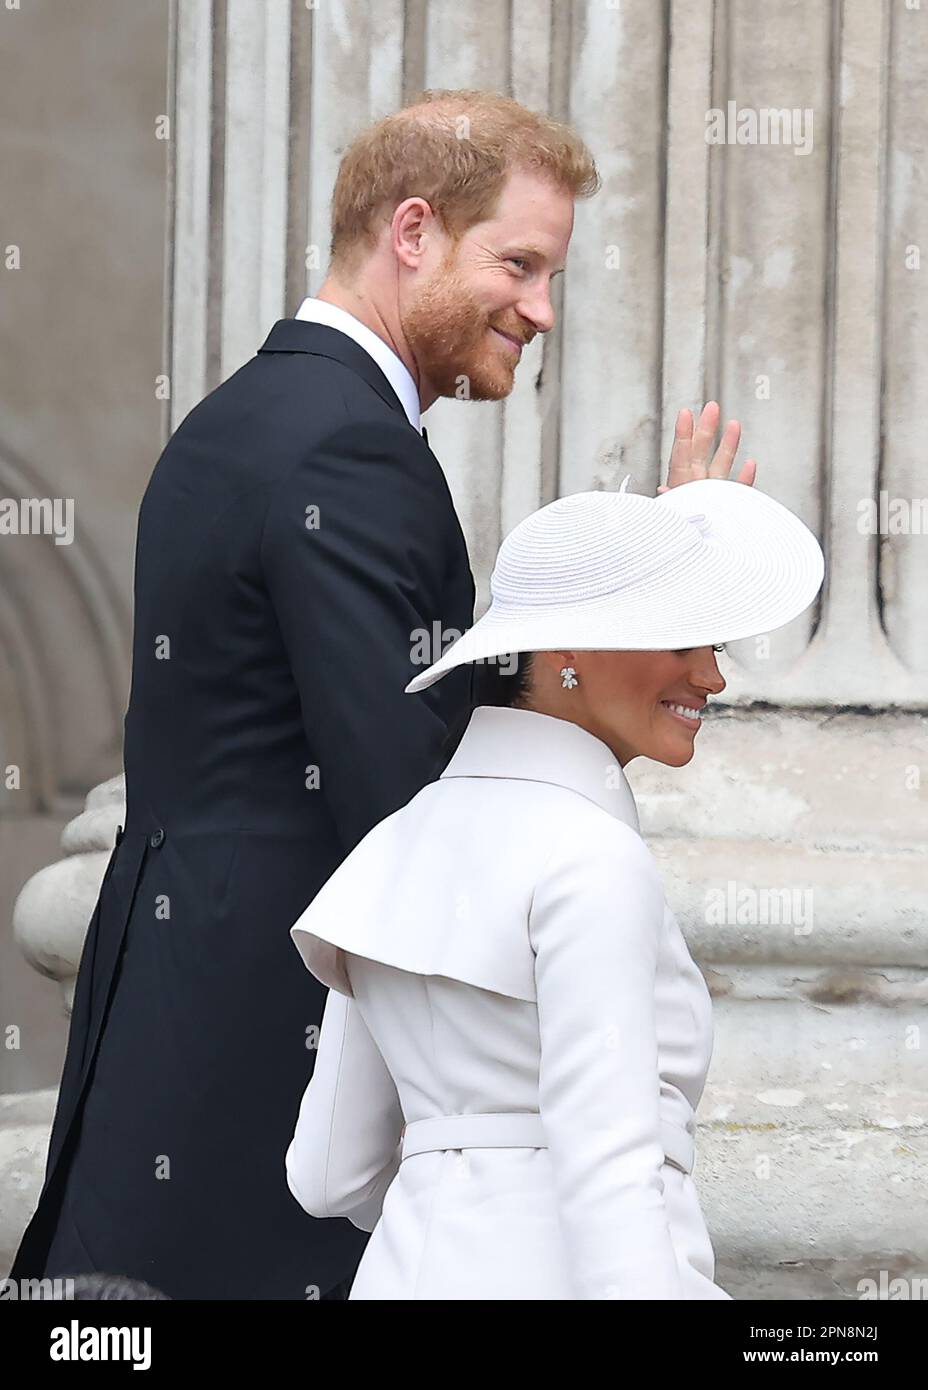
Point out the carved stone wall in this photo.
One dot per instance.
(781, 278)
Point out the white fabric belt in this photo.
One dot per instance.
(517, 1130)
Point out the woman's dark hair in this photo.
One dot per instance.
(494, 683)
(504, 681)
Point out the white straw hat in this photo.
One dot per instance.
(706, 562)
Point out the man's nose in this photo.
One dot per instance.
(538, 309)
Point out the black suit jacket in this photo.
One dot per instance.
(295, 534)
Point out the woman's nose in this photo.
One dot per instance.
(707, 675)
(717, 682)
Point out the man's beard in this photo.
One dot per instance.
(450, 339)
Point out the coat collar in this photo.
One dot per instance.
(319, 340)
(503, 742)
(314, 310)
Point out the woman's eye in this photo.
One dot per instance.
(719, 648)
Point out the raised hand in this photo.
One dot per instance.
(689, 458)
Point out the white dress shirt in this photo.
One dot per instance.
(502, 944)
(394, 368)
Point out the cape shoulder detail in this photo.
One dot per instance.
(404, 897)
(445, 885)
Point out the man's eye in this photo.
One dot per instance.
(517, 260)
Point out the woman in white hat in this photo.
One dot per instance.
(516, 1037)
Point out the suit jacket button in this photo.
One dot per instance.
(156, 838)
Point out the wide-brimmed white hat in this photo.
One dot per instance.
(706, 562)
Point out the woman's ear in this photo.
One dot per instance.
(557, 659)
(547, 667)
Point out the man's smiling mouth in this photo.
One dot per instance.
(513, 342)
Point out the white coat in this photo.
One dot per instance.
(507, 980)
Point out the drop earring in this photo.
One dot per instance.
(568, 677)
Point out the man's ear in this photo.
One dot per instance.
(409, 230)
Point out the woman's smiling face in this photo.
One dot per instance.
(641, 704)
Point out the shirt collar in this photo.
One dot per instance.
(501, 741)
(394, 369)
